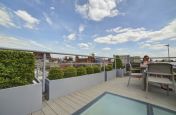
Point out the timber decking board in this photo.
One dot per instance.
(68, 104)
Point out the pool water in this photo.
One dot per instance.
(112, 104)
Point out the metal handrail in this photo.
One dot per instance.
(51, 52)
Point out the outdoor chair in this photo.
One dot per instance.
(160, 73)
(134, 72)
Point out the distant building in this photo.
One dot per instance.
(68, 59)
(125, 59)
(135, 59)
(39, 55)
(89, 59)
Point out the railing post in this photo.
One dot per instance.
(37, 72)
(44, 72)
(105, 75)
(115, 65)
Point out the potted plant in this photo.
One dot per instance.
(62, 82)
(110, 72)
(19, 91)
(119, 66)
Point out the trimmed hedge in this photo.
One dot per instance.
(89, 70)
(55, 73)
(70, 72)
(81, 71)
(108, 67)
(118, 62)
(96, 69)
(16, 68)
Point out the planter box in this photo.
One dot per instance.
(21, 100)
(120, 72)
(61, 87)
(111, 75)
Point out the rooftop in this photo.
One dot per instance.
(68, 104)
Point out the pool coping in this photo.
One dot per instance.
(149, 106)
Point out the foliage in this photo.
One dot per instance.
(70, 72)
(16, 68)
(118, 62)
(7, 83)
(81, 71)
(89, 70)
(55, 73)
(108, 67)
(96, 69)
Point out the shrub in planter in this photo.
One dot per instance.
(70, 72)
(81, 71)
(55, 73)
(108, 67)
(89, 70)
(119, 64)
(96, 69)
(16, 68)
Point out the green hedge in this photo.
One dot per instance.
(118, 62)
(70, 72)
(96, 69)
(108, 67)
(55, 73)
(89, 70)
(16, 68)
(81, 71)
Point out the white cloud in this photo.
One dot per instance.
(114, 29)
(120, 49)
(13, 42)
(30, 21)
(106, 49)
(71, 36)
(84, 45)
(81, 28)
(48, 19)
(95, 35)
(154, 46)
(6, 18)
(68, 46)
(135, 34)
(52, 8)
(98, 9)
(173, 39)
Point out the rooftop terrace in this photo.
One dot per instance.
(68, 104)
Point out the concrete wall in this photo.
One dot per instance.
(61, 87)
(111, 74)
(21, 100)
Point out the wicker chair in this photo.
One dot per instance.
(161, 73)
(134, 72)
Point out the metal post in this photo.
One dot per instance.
(115, 65)
(37, 72)
(168, 54)
(44, 72)
(105, 70)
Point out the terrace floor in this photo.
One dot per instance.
(70, 103)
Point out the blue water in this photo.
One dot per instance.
(115, 105)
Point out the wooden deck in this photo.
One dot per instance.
(68, 104)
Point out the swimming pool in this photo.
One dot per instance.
(112, 104)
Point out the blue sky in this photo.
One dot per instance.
(104, 27)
